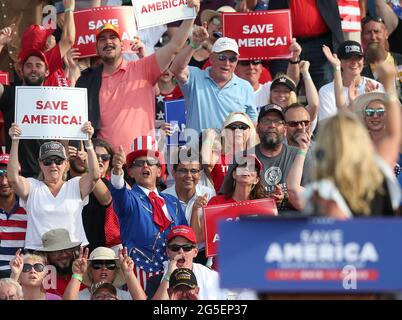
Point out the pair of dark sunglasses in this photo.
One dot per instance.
(238, 126)
(38, 267)
(3, 173)
(99, 264)
(224, 57)
(367, 19)
(48, 161)
(177, 247)
(103, 157)
(372, 112)
(141, 163)
(295, 124)
(248, 62)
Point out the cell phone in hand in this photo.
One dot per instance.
(76, 144)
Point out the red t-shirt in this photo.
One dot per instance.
(219, 171)
(57, 77)
(306, 19)
(221, 199)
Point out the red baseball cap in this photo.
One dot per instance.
(35, 37)
(24, 55)
(182, 231)
(4, 158)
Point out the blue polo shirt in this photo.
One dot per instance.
(207, 105)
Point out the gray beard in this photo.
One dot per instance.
(271, 143)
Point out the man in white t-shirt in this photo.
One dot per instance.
(351, 57)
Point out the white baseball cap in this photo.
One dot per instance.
(225, 44)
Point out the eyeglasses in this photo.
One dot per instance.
(141, 163)
(99, 264)
(215, 21)
(372, 112)
(224, 57)
(104, 157)
(238, 126)
(367, 19)
(3, 173)
(48, 161)
(295, 124)
(248, 62)
(269, 122)
(193, 172)
(38, 267)
(177, 247)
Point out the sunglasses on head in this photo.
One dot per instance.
(367, 19)
(238, 126)
(295, 124)
(3, 173)
(99, 264)
(103, 157)
(371, 112)
(248, 62)
(177, 247)
(49, 161)
(141, 163)
(38, 267)
(224, 57)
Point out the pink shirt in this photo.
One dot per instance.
(127, 102)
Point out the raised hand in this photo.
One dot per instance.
(303, 139)
(200, 202)
(167, 129)
(332, 58)
(6, 35)
(80, 265)
(16, 264)
(295, 49)
(304, 66)
(14, 131)
(195, 4)
(199, 35)
(87, 128)
(70, 59)
(119, 158)
(371, 86)
(138, 47)
(126, 263)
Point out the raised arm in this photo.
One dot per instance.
(6, 36)
(167, 53)
(88, 180)
(79, 268)
(133, 285)
(311, 91)
(294, 178)
(389, 146)
(293, 70)
(68, 33)
(179, 66)
(197, 220)
(19, 183)
(387, 14)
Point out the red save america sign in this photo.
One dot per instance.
(261, 34)
(4, 79)
(231, 211)
(87, 22)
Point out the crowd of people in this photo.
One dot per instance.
(119, 215)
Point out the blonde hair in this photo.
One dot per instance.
(253, 137)
(292, 97)
(346, 157)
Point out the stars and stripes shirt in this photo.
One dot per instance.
(13, 227)
(349, 11)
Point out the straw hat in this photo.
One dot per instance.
(360, 103)
(103, 253)
(208, 14)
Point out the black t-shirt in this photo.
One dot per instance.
(28, 151)
(93, 219)
(395, 39)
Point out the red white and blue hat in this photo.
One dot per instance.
(143, 146)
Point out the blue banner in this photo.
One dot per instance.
(175, 113)
(311, 255)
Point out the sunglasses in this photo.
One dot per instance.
(238, 126)
(248, 62)
(38, 267)
(3, 173)
(371, 112)
(295, 124)
(269, 122)
(49, 161)
(104, 157)
(141, 163)
(224, 57)
(367, 19)
(99, 264)
(177, 247)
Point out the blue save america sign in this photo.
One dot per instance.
(312, 255)
(175, 114)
